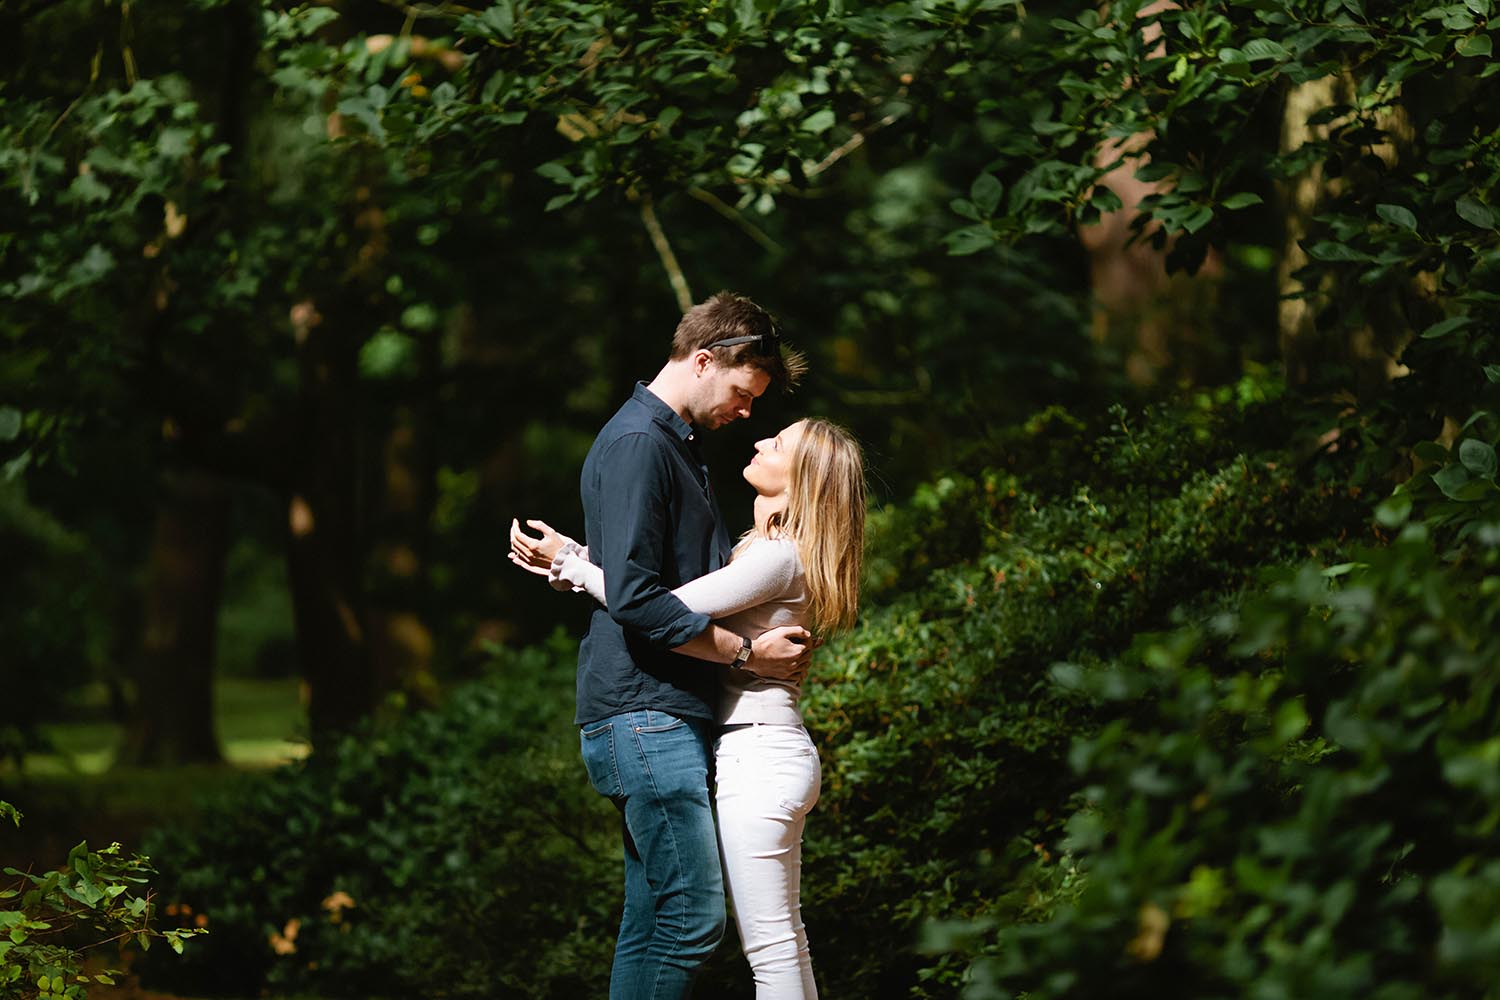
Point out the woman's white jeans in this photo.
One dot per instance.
(768, 780)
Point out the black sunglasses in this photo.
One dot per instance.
(770, 342)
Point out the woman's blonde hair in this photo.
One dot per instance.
(825, 518)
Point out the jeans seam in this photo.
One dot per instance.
(676, 852)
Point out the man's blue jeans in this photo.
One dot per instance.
(655, 767)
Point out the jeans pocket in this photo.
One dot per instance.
(666, 727)
(801, 782)
(598, 747)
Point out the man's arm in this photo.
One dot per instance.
(634, 478)
(779, 654)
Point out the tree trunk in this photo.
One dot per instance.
(401, 642)
(172, 715)
(324, 556)
(1300, 346)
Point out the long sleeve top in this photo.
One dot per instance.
(762, 588)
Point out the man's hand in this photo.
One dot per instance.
(782, 654)
(531, 553)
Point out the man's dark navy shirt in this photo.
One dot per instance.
(651, 521)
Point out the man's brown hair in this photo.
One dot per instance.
(727, 316)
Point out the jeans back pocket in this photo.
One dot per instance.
(598, 746)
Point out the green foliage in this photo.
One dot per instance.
(945, 738)
(1456, 490)
(1394, 136)
(1293, 798)
(456, 853)
(49, 920)
(944, 742)
(52, 566)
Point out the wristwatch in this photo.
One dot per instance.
(743, 655)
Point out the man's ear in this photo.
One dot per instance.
(702, 361)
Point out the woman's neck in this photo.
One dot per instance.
(766, 506)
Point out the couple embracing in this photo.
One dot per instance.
(690, 675)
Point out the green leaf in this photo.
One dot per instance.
(1492, 372)
(493, 86)
(969, 240)
(1199, 217)
(1478, 457)
(1475, 212)
(88, 188)
(1105, 199)
(966, 208)
(175, 143)
(819, 121)
(362, 111)
(559, 201)
(1480, 7)
(1394, 511)
(1450, 479)
(986, 191)
(555, 171)
(10, 428)
(1330, 251)
(1444, 327)
(1397, 216)
(1263, 48)
(388, 353)
(1244, 199)
(1291, 721)
(1475, 46)
(502, 18)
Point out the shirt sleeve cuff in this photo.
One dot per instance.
(684, 629)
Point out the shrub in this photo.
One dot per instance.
(457, 853)
(1296, 799)
(945, 742)
(50, 919)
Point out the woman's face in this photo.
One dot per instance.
(769, 470)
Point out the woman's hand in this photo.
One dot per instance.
(535, 554)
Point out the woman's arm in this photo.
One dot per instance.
(762, 572)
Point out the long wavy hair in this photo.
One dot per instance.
(825, 519)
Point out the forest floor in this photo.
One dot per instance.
(75, 792)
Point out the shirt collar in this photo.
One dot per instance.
(662, 413)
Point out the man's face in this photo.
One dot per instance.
(726, 394)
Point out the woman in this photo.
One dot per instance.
(799, 565)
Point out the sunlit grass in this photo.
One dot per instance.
(260, 723)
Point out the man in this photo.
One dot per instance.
(646, 674)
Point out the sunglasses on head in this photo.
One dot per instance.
(769, 342)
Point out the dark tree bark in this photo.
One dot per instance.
(172, 715)
(323, 519)
(401, 641)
